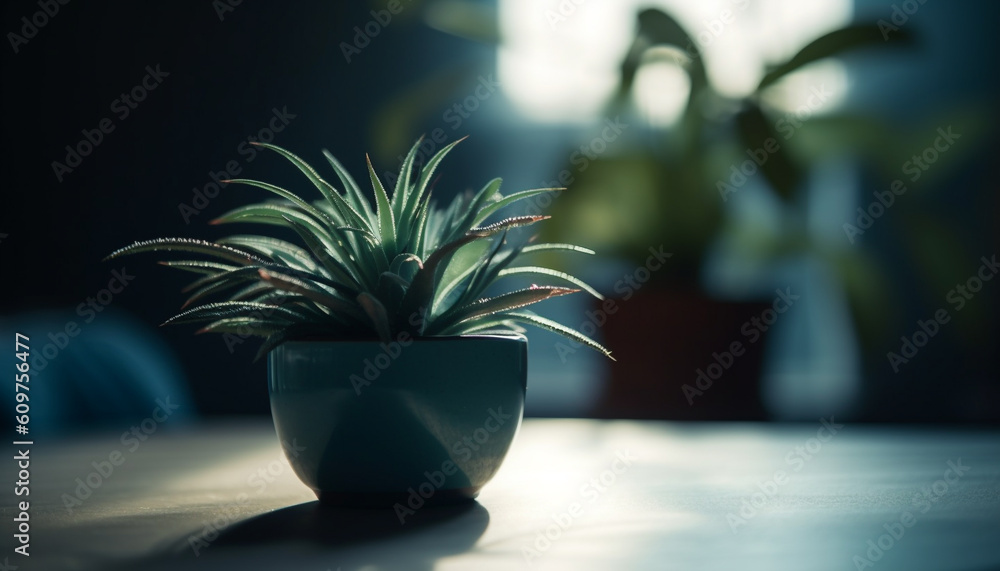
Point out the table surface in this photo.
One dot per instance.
(572, 494)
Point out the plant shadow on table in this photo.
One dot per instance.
(312, 532)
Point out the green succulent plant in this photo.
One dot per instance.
(403, 266)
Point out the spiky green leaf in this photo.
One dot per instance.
(507, 302)
(310, 290)
(490, 209)
(532, 248)
(530, 318)
(198, 267)
(188, 245)
(508, 223)
(377, 314)
(541, 271)
(427, 172)
(357, 198)
(228, 309)
(386, 222)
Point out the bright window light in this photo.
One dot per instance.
(560, 59)
(661, 91)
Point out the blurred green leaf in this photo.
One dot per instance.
(866, 286)
(962, 129)
(760, 140)
(657, 28)
(832, 136)
(943, 261)
(397, 122)
(475, 21)
(835, 43)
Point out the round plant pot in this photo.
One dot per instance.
(413, 422)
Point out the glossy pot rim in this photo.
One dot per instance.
(310, 340)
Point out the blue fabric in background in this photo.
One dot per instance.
(115, 371)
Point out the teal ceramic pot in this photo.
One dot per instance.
(414, 422)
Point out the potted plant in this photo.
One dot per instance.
(394, 379)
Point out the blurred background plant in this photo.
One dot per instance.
(786, 151)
